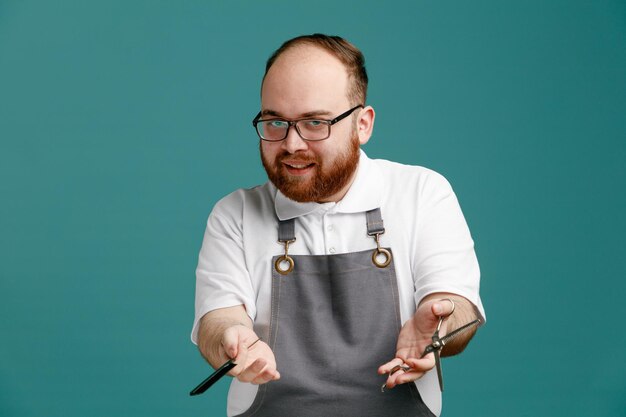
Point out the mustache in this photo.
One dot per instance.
(298, 156)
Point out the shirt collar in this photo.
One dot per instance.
(364, 194)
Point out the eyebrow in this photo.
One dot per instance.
(306, 115)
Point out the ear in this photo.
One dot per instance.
(365, 124)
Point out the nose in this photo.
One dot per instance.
(293, 142)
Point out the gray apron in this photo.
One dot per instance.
(334, 320)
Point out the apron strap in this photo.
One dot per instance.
(381, 257)
(286, 230)
(375, 225)
(286, 235)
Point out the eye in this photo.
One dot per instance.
(277, 124)
(314, 124)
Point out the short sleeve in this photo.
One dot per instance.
(222, 279)
(444, 257)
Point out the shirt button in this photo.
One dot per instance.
(330, 228)
(331, 250)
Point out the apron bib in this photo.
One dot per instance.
(334, 320)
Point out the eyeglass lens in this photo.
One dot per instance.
(308, 129)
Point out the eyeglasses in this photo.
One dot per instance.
(275, 130)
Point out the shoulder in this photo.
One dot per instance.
(235, 205)
(261, 194)
(414, 180)
(245, 206)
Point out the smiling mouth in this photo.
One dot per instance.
(298, 167)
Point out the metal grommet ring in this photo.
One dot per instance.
(381, 251)
(453, 305)
(281, 259)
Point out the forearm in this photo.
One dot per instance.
(464, 312)
(211, 330)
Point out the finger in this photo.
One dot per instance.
(399, 378)
(231, 342)
(422, 365)
(443, 308)
(386, 368)
(251, 372)
(240, 360)
(266, 375)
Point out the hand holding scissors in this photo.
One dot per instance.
(440, 342)
(412, 356)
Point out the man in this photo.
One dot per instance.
(326, 263)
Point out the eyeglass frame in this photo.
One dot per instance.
(294, 123)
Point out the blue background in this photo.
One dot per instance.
(123, 122)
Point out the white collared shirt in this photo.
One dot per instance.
(424, 227)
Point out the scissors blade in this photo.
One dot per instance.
(439, 372)
(438, 344)
(459, 331)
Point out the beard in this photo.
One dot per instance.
(326, 180)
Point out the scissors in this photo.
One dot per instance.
(217, 375)
(440, 342)
(435, 348)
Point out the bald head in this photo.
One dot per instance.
(343, 51)
(305, 81)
